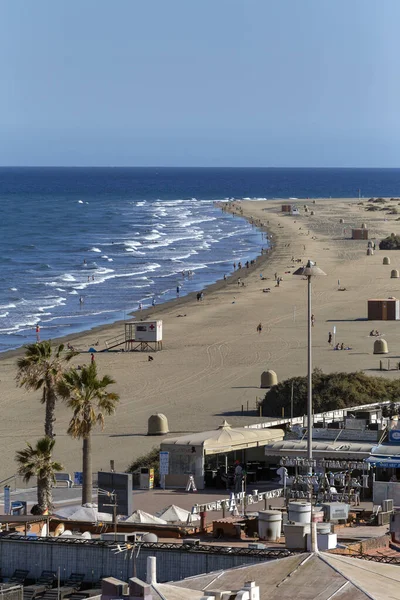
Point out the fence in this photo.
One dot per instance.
(96, 559)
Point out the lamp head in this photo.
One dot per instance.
(309, 270)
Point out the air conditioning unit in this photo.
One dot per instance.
(387, 506)
(336, 511)
(191, 541)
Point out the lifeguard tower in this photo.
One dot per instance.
(139, 336)
(143, 336)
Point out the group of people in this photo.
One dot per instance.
(337, 346)
(341, 347)
(374, 333)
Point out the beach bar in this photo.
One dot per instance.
(383, 309)
(204, 454)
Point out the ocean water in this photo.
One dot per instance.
(116, 237)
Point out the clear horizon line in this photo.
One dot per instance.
(187, 167)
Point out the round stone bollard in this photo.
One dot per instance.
(268, 379)
(381, 347)
(386, 260)
(394, 274)
(157, 425)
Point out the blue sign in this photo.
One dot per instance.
(394, 436)
(78, 478)
(164, 463)
(7, 500)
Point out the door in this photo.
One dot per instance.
(384, 311)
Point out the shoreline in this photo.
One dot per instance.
(212, 361)
(163, 307)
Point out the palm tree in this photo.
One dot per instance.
(90, 402)
(41, 368)
(37, 462)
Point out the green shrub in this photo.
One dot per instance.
(392, 242)
(150, 460)
(330, 392)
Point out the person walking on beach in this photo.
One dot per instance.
(140, 306)
(330, 338)
(177, 291)
(37, 334)
(234, 266)
(239, 281)
(92, 358)
(259, 328)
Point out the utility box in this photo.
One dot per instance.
(359, 234)
(384, 309)
(148, 331)
(115, 488)
(336, 511)
(146, 478)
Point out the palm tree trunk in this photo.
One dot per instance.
(87, 469)
(49, 494)
(41, 494)
(50, 413)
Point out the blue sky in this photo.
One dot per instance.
(200, 82)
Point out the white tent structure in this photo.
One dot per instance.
(87, 512)
(174, 514)
(140, 516)
(187, 453)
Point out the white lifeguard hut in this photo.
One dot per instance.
(143, 336)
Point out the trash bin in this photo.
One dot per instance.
(146, 478)
(269, 525)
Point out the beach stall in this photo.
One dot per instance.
(286, 208)
(210, 454)
(359, 234)
(383, 309)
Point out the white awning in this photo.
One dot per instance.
(226, 439)
(386, 450)
(346, 450)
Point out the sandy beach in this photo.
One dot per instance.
(213, 356)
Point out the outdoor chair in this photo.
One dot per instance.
(19, 576)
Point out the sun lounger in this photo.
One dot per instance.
(44, 582)
(19, 576)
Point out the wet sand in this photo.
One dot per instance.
(213, 357)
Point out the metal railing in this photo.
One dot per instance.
(267, 553)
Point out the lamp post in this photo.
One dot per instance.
(309, 271)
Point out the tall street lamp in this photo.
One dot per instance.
(309, 271)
